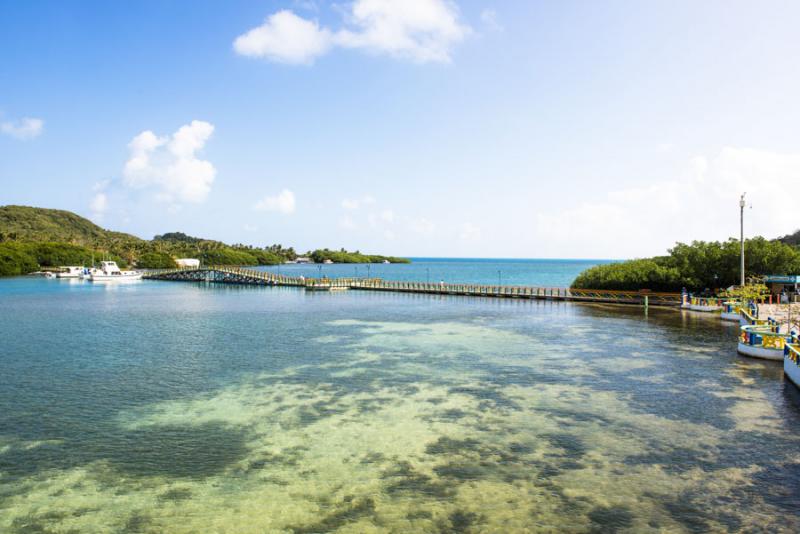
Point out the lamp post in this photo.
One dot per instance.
(741, 237)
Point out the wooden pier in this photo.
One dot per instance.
(239, 275)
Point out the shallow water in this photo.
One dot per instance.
(177, 407)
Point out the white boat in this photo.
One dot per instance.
(70, 271)
(110, 272)
(760, 341)
(791, 363)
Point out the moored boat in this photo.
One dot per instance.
(762, 341)
(730, 311)
(69, 271)
(701, 304)
(791, 361)
(110, 272)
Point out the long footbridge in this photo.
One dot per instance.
(242, 276)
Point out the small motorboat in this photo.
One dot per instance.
(110, 272)
(69, 271)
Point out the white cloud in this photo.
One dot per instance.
(250, 227)
(101, 185)
(469, 232)
(701, 204)
(170, 164)
(387, 216)
(489, 19)
(286, 38)
(283, 202)
(418, 30)
(23, 129)
(99, 205)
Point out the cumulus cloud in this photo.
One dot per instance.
(419, 30)
(283, 202)
(700, 204)
(284, 37)
(23, 129)
(99, 205)
(170, 165)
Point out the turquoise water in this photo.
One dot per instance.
(182, 407)
(541, 273)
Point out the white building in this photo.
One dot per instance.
(187, 262)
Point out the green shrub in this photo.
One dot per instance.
(698, 266)
(14, 261)
(155, 260)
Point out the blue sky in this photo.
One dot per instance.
(427, 127)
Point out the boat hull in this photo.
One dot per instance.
(733, 317)
(700, 308)
(791, 370)
(114, 278)
(759, 352)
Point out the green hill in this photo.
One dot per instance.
(24, 223)
(32, 238)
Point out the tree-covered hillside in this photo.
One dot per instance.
(32, 238)
(24, 223)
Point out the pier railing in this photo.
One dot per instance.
(240, 275)
(731, 306)
(751, 319)
(712, 302)
(792, 351)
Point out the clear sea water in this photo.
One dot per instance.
(182, 407)
(534, 272)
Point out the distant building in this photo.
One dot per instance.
(778, 283)
(187, 262)
(302, 259)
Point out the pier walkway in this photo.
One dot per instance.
(239, 275)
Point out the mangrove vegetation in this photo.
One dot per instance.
(697, 266)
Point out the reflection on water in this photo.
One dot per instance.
(187, 408)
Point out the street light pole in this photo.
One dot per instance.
(741, 237)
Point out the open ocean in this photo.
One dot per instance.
(193, 407)
(535, 272)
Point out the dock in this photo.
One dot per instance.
(243, 276)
